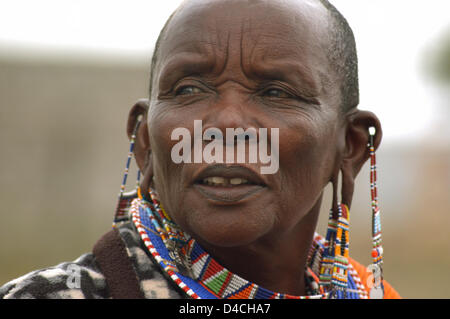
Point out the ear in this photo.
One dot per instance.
(142, 148)
(356, 151)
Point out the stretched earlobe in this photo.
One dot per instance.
(348, 184)
(335, 200)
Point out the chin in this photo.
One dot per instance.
(233, 228)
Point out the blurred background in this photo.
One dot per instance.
(71, 70)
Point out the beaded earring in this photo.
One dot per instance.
(333, 274)
(125, 198)
(377, 289)
(334, 266)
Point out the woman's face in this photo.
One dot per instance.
(255, 66)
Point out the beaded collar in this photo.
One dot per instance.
(200, 276)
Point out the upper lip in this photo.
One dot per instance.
(233, 171)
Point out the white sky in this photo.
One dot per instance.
(392, 37)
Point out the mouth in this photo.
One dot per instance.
(228, 184)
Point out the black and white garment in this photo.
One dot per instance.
(83, 277)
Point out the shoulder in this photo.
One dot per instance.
(365, 277)
(74, 280)
(84, 278)
(154, 284)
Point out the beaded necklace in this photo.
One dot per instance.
(199, 276)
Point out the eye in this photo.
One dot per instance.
(277, 93)
(188, 90)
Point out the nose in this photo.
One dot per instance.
(233, 114)
(232, 109)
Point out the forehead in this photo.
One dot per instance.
(249, 30)
(270, 22)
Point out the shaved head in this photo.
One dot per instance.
(341, 49)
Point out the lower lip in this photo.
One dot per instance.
(228, 195)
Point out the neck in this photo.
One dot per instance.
(275, 262)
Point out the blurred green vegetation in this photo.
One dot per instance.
(438, 60)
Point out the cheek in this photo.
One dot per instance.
(165, 172)
(303, 153)
(306, 166)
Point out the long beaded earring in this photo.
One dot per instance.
(125, 198)
(334, 265)
(333, 275)
(377, 289)
(340, 269)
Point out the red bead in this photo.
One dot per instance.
(374, 253)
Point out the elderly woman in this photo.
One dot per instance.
(275, 81)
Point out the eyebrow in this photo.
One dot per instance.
(293, 73)
(184, 64)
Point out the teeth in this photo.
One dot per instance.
(217, 180)
(238, 181)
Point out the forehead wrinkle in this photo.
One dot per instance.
(296, 40)
(257, 28)
(227, 55)
(196, 31)
(272, 60)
